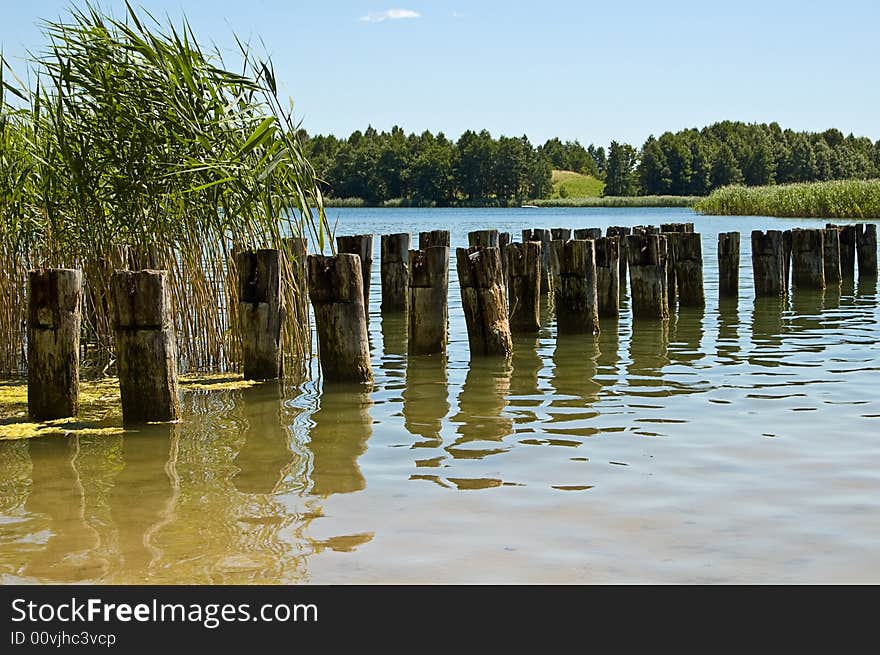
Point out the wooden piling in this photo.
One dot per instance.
(728, 264)
(503, 242)
(557, 246)
(688, 265)
(647, 260)
(427, 313)
(577, 305)
(433, 238)
(621, 233)
(362, 246)
(677, 227)
(847, 241)
(807, 259)
(560, 234)
(524, 286)
(260, 313)
(645, 229)
(53, 326)
(786, 260)
(608, 276)
(485, 238)
(542, 236)
(395, 271)
(831, 255)
(588, 233)
(146, 346)
(297, 248)
(337, 294)
(866, 247)
(483, 300)
(767, 263)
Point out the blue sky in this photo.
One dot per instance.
(592, 71)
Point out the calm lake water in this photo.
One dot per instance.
(739, 443)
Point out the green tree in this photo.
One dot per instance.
(620, 173)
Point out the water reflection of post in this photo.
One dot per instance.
(265, 456)
(609, 353)
(426, 399)
(767, 330)
(338, 437)
(575, 364)
(524, 392)
(481, 405)
(686, 336)
(56, 499)
(727, 344)
(867, 291)
(394, 349)
(648, 353)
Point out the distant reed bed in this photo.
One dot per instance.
(837, 199)
(621, 201)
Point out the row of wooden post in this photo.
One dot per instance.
(501, 284)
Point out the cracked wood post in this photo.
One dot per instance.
(541, 236)
(588, 233)
(831, 255)
(53, 326)
(577, 304)
(672, 232)
(608, 276)
(676, 227)
(260, 313)
(847, 239)
(503, 242)
(866, 247)
(362, 246)
(428, 312)
(786, 260)
(647, 273)
(728, 264)
(621, 233)
(433, 238)
(768, 268)
(524, 286)
(689, 269)
(146, 346)
(485, 238)
(645, 229)
(557, 246)
(807, 259)
(560, 234)
(297, 248)
(483, 300)
(337, 294)
(395, 271)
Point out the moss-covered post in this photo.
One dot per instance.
(689, 269)
(807, 259)
(337, 294)
(395, 271)
(260, 313)
(146, 346)
(541, 236)
(577, 305)
(427, 311)
(53, 325)
(608, 276)
(831, 255)
(728, 264)
(647, 273)
(362, 246)
(767, 263)
(483, 300)
(524, 286)
(866, 247)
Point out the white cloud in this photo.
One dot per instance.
(389, 14)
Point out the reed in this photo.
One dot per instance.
(620, 201)
(136, 147)
(838, 199)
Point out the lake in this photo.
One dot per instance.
(740, 443)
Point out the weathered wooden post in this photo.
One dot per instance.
(807, 260)
(786, 260)
(485, 238)
(647, 273)
(621, 233)
(831, 255)
(337, 294)
(427, 312)
(395, 271)
(645, 229)
(767, 263)
(483, 300)
(608, 276)
(577, 304)
(588, 233)
(866, 246)
(433, 238)
(524, 286)
(676, 227)
(542, 236)
(728, 264)
(297, 248)
(362, 246)
(560, 234)
(260, 313)
(689, 269)
(672, 232)
(146, 346)
(503, 242)
(53, 322)
(847, 240)
(557, 246)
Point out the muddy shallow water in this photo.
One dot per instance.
(736, 443)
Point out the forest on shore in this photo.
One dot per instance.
(395, 168)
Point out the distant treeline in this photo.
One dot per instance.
(396, 168)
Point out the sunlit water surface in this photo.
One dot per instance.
(738, 443)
